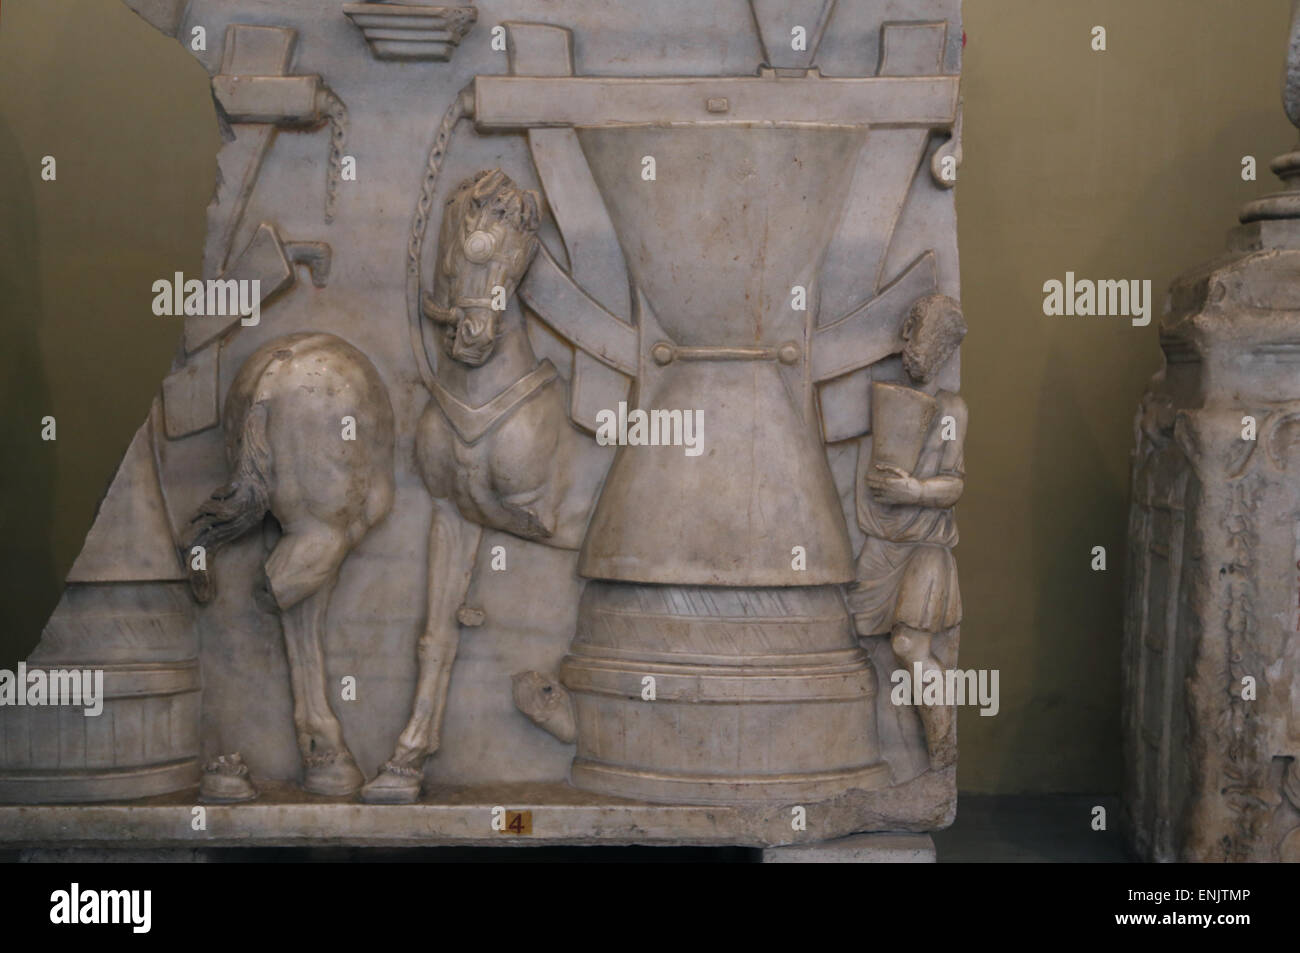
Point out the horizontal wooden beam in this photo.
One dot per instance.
(530, 102)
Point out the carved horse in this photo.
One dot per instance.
(495, 445)
(327, 480)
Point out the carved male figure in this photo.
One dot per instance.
(906, 576)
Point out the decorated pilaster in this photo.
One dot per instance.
(1212, 629)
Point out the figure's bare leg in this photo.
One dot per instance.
(308, 562)
(939, 721)
(453, 549)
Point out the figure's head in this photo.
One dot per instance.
(932, 333)
(488, 240)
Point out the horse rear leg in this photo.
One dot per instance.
(302, 571)
(453, 549)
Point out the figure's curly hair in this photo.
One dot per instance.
(933, 330)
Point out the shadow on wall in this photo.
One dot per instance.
(1080, 499)
(127, 114)
(29, 580)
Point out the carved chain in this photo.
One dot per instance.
(459, 109)
(337, 113)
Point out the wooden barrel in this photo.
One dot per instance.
(145, 741)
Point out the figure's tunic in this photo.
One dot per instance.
(906, 570)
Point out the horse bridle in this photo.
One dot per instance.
(479, 247)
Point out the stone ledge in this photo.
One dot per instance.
(285, 817)
(858, 849)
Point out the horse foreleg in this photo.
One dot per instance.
(453, 549)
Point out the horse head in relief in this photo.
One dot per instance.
(488, 240)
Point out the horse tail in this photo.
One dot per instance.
(235, 508)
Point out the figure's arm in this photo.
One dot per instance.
(892, 485)
(942, 491)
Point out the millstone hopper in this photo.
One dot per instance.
(714, 660)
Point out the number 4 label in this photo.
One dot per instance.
(512, 822)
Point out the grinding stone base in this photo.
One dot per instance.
(286, 817)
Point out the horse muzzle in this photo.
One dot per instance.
(475, 337)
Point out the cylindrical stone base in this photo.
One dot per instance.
(705, 695)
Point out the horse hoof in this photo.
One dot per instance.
(334, 775)
(225, 781)
(395, 784)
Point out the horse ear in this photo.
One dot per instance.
(486, 184)
(468, 187)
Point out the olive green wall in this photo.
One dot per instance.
(128, 117)
(1119, 164)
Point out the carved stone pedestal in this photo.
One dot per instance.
(1212, 636)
